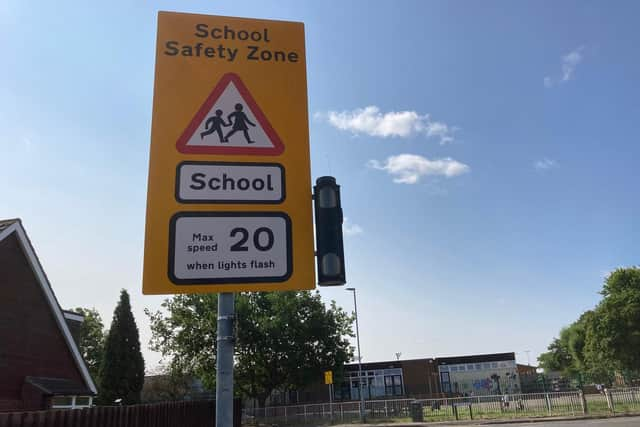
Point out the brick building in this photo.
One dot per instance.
(40, 364)
(476, 375)
(416, 378)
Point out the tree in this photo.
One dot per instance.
(569, 353)
(167, 385)
(603, 341)
(557, 358)
(122, 368)
(615, 335)
(288, 340)
(285, 340)
(91, 340)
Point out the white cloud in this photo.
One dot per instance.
(351, 229)
(400, 124)
(569, 64)
(545, 164)
(24, 142)
(409, 168)
(27, 143)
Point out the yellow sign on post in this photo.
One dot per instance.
(328, 377)
(229, 193)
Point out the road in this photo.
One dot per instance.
(614, 422)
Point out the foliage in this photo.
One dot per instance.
(187, 334)
(285, 340)
(618, 327)
(603, 341)
(166, 386)
(122, 368)
(557, 358)
(91, 340)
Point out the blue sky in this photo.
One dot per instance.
(487, 153)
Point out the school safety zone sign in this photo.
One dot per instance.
(230, 122)
(229, 199)
(230, 247)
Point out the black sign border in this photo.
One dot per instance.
(283, 194)
(240, 280)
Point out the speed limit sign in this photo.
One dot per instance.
(229, 247)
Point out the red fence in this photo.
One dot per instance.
(167, 414)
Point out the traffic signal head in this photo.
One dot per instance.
(329, 247)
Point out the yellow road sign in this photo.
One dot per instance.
(229, 192)
(328, 377)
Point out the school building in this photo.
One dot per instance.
(475, 375)
(485, 374)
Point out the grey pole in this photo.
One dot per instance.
(355, 305)
(224, 360)
(331, 403)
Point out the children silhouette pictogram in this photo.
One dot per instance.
(214, 124)
(240, 121)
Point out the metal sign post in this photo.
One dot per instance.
(224, 360)
(331, 402)
(328, 380)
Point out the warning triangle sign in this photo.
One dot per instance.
(230, 122)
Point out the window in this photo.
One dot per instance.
(83, 401)
(444, 380)
(71, 402)
(478, 366)
(62, 401)
(494, 365)
(469, 367)
(377, 383)
(393, 385)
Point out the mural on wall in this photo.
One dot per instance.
(483, 378)
(483, 385)
(492, 383)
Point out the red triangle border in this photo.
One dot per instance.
(181, 144)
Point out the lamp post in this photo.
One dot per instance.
(355, 305)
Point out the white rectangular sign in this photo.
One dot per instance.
(226, 182)
(228, 247)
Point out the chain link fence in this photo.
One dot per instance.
(613, 401)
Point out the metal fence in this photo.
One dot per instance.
(624, 400)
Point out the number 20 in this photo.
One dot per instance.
(240, 245)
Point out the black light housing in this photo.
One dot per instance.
(329, 247)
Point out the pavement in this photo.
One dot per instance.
(602, 422)
(619, 421)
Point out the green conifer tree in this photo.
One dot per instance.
(122, 368)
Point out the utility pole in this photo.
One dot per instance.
(355, 305)
(224, 360)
